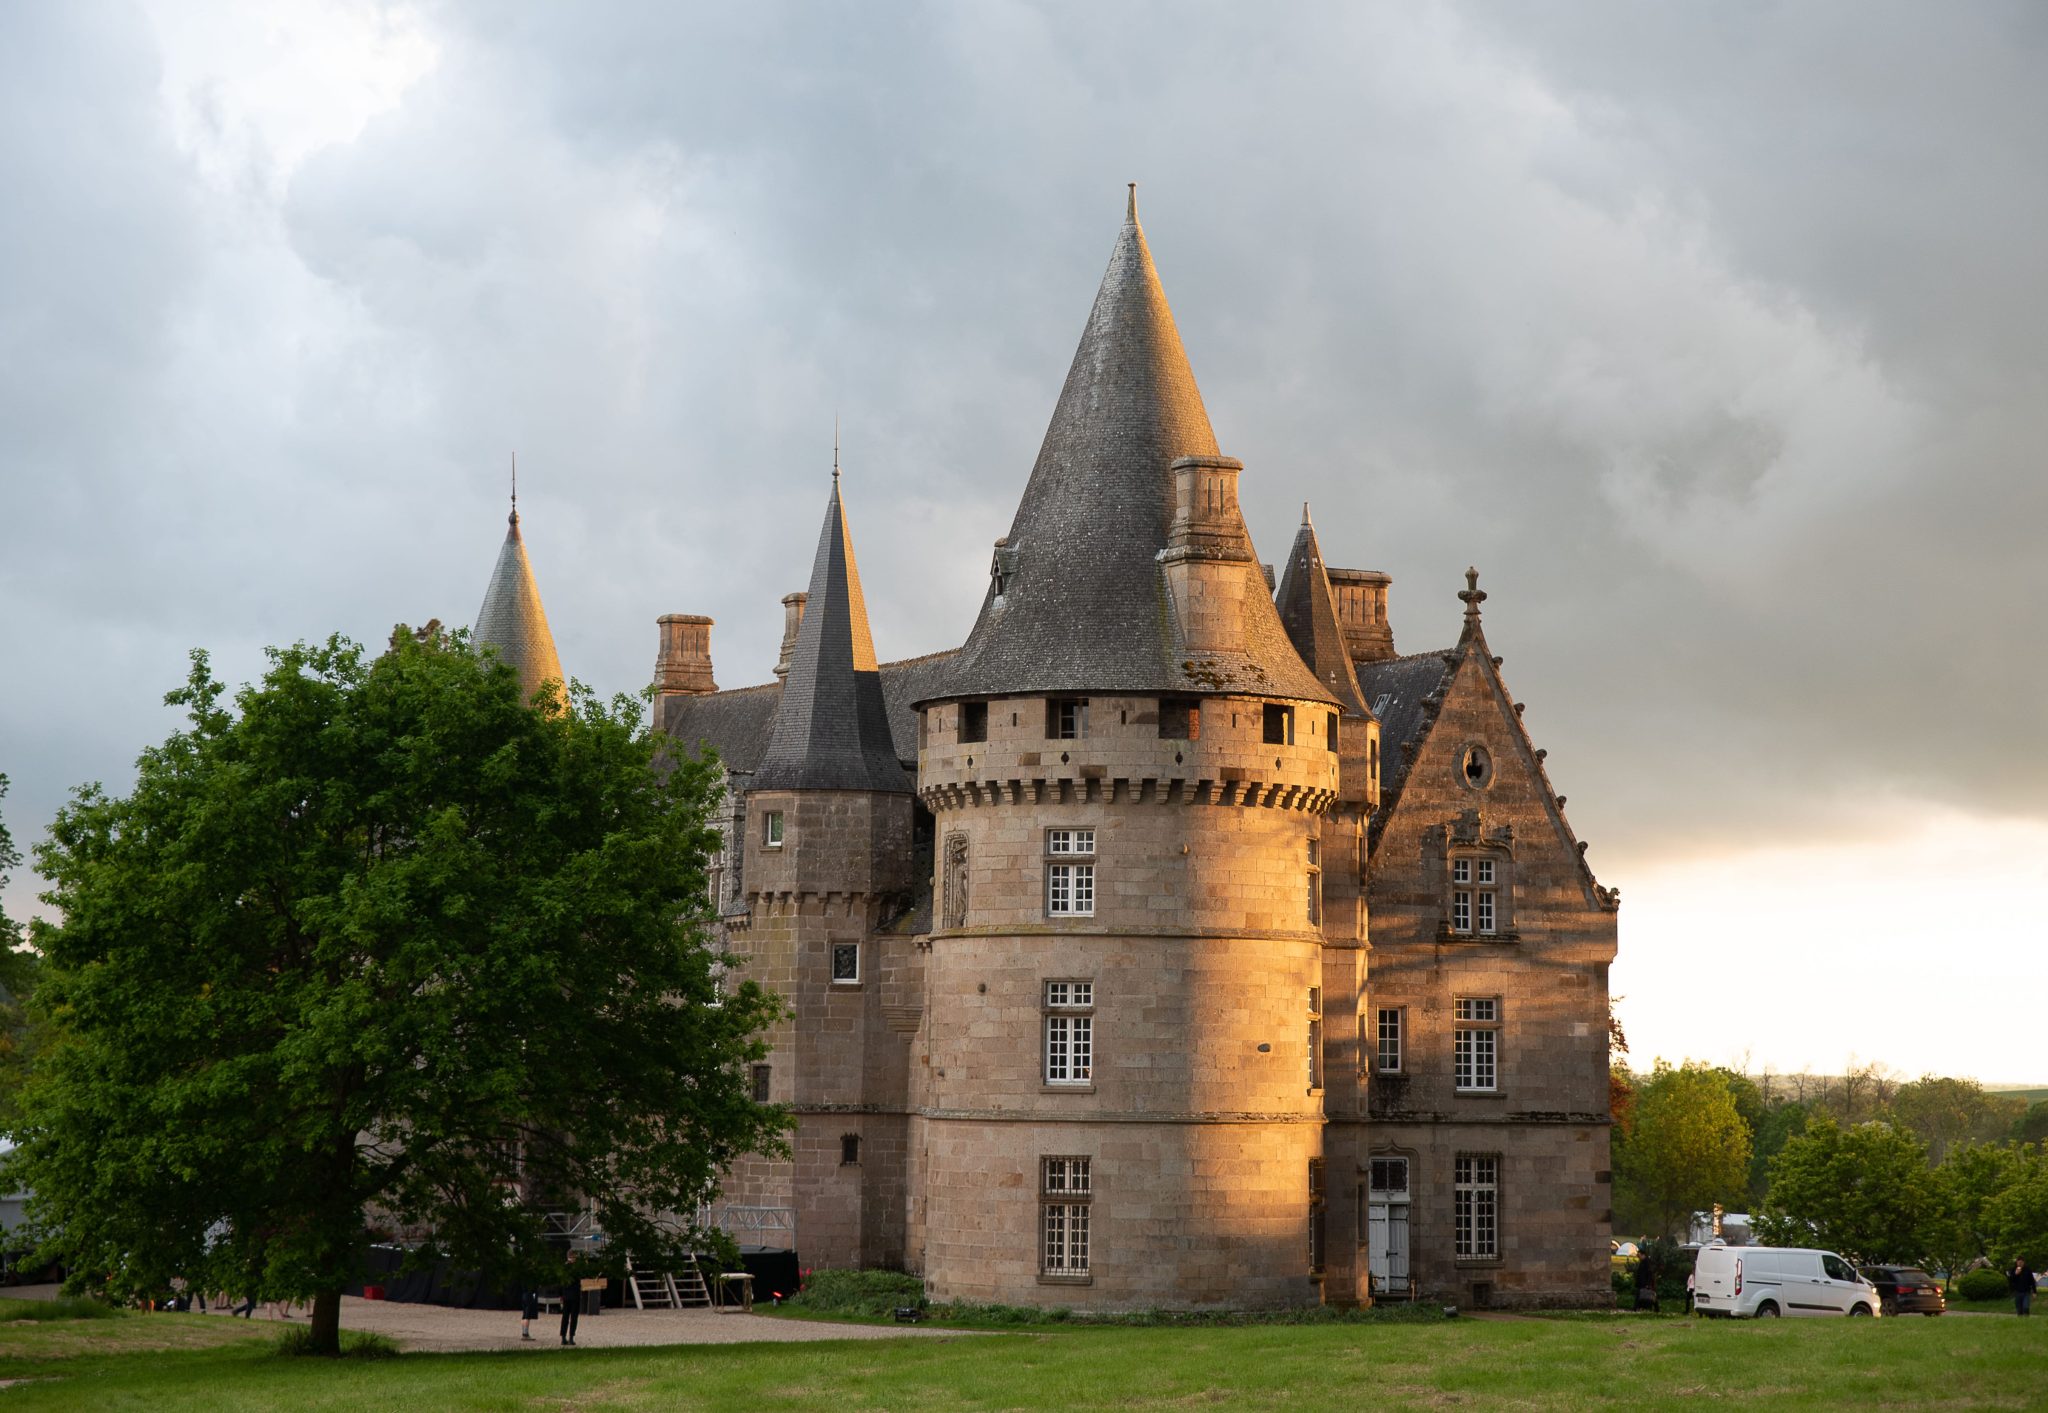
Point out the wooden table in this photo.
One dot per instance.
(726, 1281)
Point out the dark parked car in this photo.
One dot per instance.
(1906, 1290)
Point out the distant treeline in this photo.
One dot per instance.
(1880, 1167)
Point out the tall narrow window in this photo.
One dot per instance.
(1070, 873)
(1069, 1032)
(762, 1074)
(849, 1149)
(973, 721)
(1389, 1025)
(1066, 1195)
(1318, 1225)
(771, 829)
(1315, 883)
(1315, 1037)
(1330, 732)
(1475, 1193)
(1477, 1045)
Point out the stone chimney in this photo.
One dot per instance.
(683, 666)
(792, 620)
(1361, 596)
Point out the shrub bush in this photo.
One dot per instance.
(1982, 1284)
(873, 1295)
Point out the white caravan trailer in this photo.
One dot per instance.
(1768, 1281)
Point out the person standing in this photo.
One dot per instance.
(572, 1299)
(2021, 1283)
(529, 1311)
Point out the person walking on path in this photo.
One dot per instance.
(247, 1309)
(2021, 1283)
(529, 1311)
(572, 1300)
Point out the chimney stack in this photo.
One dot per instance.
(1361, 596)
(792, 619)
(683, 666)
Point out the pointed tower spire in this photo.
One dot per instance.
(1309, 610)
(512, 619)
(831, 727)
(1079, 600)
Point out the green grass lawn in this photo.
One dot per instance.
(168, 1362)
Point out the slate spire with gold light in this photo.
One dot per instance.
(512, 620)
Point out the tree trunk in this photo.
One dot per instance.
(325, 1330)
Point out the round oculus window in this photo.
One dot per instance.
(1475, 768)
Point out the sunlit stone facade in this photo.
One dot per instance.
(1167, 944)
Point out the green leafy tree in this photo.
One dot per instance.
(2016, 1220)
(1782, 1123)
(19, 1035)
(1865, 1191)
(1973, 1175)
(1687, 1149)
(2032, 1126)
(1942, 1111)
(383, 944)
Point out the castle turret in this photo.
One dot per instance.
(1128, 764)
(1309, 609)
(828, 845)
(512, 620)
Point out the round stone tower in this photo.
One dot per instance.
(1128, 764)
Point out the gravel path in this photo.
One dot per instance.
(437, 1327)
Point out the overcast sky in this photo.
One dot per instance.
(1713, 335)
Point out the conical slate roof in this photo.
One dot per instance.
(1309, 611)
(832, 725)
(1078, 601)
(512, 619)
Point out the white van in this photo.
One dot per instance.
(1769, 1281)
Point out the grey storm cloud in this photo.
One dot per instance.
(1710, 334)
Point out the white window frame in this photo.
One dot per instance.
(1475, 895)
(1069, 1030)
(1475, 1207)
(1070, 890)
(1066, 1186)
(833, 956)
(772, 829)
(1390, 1024)
(1475, 1058)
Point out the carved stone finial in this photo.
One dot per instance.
(1472, 595)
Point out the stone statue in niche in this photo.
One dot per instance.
(954, 881)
